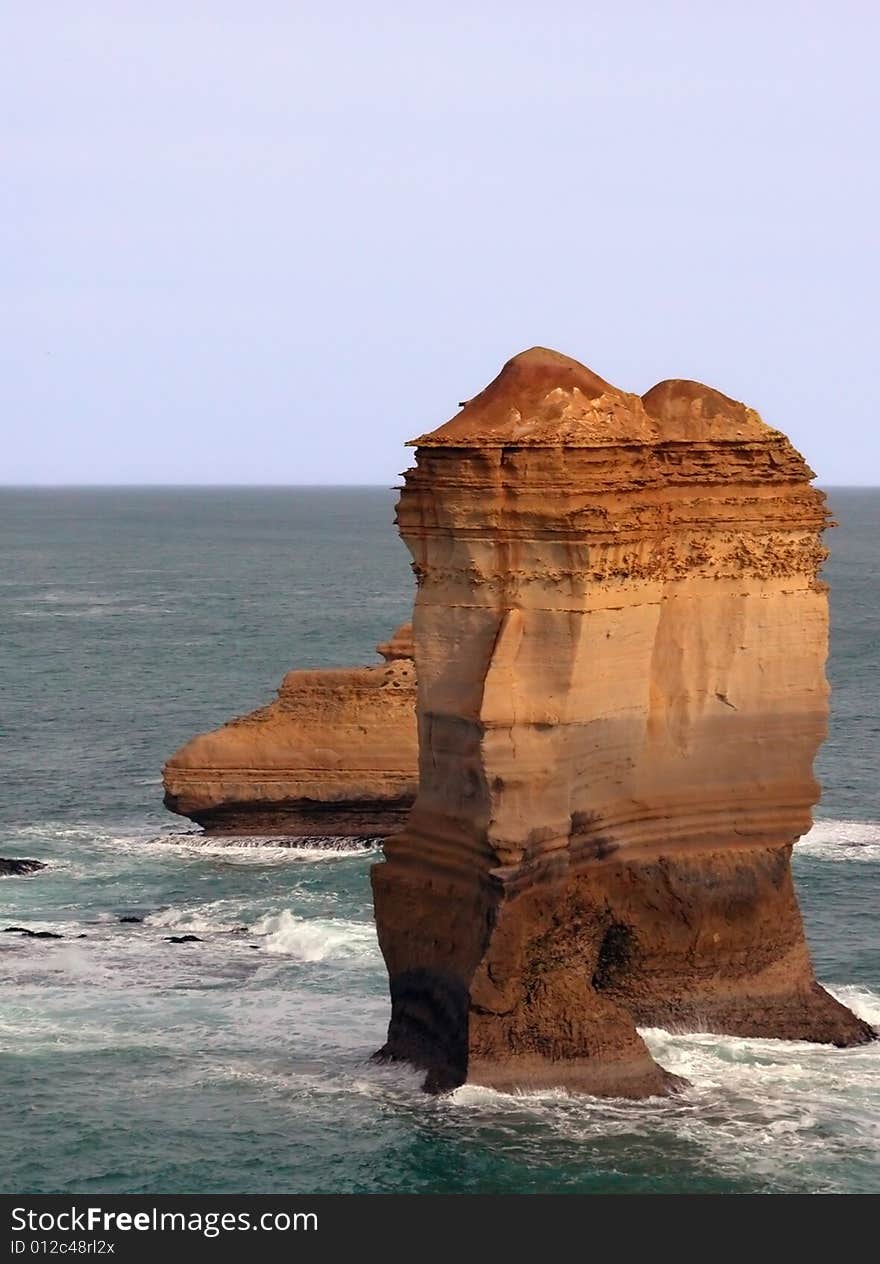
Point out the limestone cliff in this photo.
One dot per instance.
(620, 643)
(334, 755)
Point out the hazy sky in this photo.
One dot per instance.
(269, 242)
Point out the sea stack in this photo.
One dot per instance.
(335, 755)
(620, 644)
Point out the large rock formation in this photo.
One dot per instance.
(334, 755)
(620, 644)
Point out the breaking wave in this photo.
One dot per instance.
(314, 848)
(841, 840)
(164, 841)
(206, 919)
(317, 939)
(772, 1113)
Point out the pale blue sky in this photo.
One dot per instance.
(269, 242)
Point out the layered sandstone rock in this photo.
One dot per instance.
(334, 755)
(620, 645)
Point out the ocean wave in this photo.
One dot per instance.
(253, 852)
(317, 939)
(312, 848)
(779, 1113)
(216, 917)
(121, 832)
(54, 829)
(861, 1000)
(841, 840)
(167, 840)
(97, 610)
(834, 840)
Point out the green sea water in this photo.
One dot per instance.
(130, 619)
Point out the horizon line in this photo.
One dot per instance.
(183, 486)
(290, 487)
(47, 487)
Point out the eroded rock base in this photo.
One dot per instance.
(301, 818)
(546, 987)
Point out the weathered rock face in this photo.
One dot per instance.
(620, 645)
(335, 754)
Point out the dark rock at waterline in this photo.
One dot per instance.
(183, 939)
(31, 934)
(18, 866)
(125, 920)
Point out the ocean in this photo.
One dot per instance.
(131, 619)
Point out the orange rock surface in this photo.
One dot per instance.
(334, 755)
(620, 643)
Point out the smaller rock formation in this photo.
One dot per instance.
(19, 866)
(336, 754)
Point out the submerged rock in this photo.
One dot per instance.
(620, 642)
(31, 934)
(125, 921)
(18, 866)
(334, 755)
(183, 939)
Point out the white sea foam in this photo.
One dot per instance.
(66, 597)
(79, 604)
(140, 840)
(842, 840)
(218, 916)
(861, 1000)
(310, 848)
(787, 1113)
(133, 834)
(95, 610)
(255, 851)
(833, 840)
(55, 829)
(317, 939)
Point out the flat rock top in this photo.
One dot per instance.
(542, 398)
